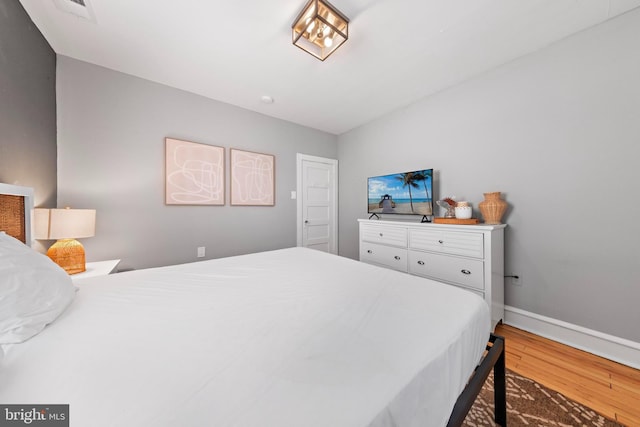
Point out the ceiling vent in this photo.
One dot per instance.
(79, 8)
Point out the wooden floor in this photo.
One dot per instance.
(607, 387)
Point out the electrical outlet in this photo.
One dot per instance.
(516, 279)
(201, 251)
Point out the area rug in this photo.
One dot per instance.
(532, 404)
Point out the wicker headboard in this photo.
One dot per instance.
(16, 205)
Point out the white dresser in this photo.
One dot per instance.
(468, 256)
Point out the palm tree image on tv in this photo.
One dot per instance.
(401, 193)
(408, 179)
(426, 176)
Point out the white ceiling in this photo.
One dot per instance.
(237, 51)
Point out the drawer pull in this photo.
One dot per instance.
(369, 251)
(381, 235)
(420, 262)
(465, 271)
(440, 241)
(397, 257)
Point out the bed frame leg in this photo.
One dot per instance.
(500, 390)
(493, 359)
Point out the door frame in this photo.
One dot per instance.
(333, 246)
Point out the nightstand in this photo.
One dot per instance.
(100, 268)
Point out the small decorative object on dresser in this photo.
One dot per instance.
(459, 221)
(463, 210)
(449, 205)
(492, 208)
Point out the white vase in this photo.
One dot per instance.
(463, 212)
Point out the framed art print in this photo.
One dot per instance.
(194, 173)
(252, 178)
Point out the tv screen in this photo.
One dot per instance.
(408, 193)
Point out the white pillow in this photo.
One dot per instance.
(34, 291)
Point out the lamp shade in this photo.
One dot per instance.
(72, 223)
(320, 29)
(64, 223)
(41, 223)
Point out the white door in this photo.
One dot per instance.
(317, 191)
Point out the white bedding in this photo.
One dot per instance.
(293, 337)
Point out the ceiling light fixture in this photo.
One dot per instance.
(320, 29)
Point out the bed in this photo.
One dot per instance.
(291, 337)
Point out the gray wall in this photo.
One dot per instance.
(111, 131)
(27, 105)
(558, 132)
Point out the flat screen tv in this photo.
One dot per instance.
(407, 193)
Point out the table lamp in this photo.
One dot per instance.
(66, 225)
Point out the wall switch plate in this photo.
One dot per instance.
(201, 250)
(294, 195)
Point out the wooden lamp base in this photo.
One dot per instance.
(68, 254)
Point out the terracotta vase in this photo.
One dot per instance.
(492, 208)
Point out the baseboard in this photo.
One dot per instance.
(608, 346)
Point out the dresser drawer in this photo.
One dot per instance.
(449, 242)
(394, 236)
(387, 256)
(463, 271)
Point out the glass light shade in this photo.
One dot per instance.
(318, 21)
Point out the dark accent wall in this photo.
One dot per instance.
(28, 153)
